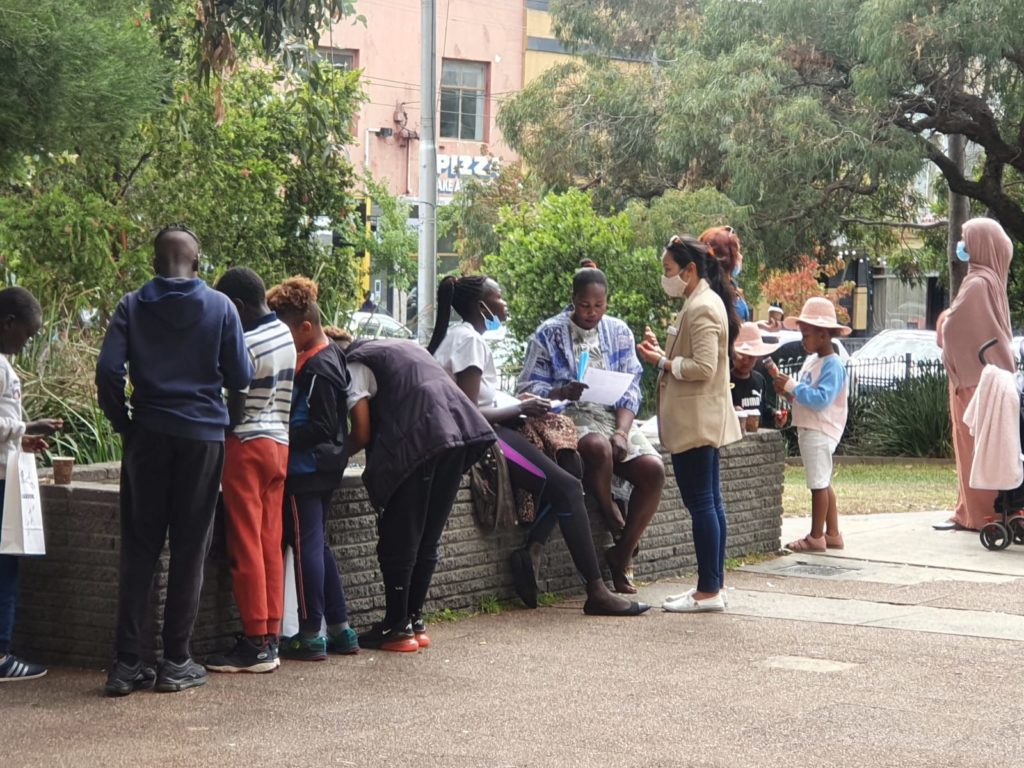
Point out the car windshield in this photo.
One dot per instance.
(888, 346)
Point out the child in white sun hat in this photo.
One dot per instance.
(819, 395)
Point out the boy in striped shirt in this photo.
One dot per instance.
(255, 466)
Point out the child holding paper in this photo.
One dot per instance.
(558, 357)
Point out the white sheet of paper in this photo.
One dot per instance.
(504, 399)
(605, 387)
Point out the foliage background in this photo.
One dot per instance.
(115, 121)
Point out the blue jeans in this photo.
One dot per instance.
(700, 486)
(8, 588)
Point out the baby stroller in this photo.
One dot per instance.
(1009, 528)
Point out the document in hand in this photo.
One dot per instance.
(605, 387)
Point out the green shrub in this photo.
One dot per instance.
(58, 370)
(859, 415)
(910, 419)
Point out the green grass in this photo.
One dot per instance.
(545, 599)
(864, 489)
(446, 614)
(490, 605)
(733, 563)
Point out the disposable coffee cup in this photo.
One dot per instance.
(753, 422)
(62, 467)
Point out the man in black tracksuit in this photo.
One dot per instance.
(180, 343)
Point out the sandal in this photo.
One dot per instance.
(834, 541)
(807, 544)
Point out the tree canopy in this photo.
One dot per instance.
(76, 75)
(818, 116)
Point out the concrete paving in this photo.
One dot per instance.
(900, 650)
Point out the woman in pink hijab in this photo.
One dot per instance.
(979, 312)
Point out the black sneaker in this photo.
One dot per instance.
(124, 678)
(172, 677)
(381, 638)
(246, 656)
(275, 649)
(13, 669)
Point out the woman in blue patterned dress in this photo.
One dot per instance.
(609, 442)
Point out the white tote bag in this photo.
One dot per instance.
(22, 532)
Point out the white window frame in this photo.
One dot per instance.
(466, 83)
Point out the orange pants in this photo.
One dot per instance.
(974, 507)
(253, 487)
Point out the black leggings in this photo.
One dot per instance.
(559, 493)
(410, 529)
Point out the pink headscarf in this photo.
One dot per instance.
(981, 310)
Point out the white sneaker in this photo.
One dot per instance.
(687, 604)
(676, 598)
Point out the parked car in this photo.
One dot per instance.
(894, 355)
(376, 325)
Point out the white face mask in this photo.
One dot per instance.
(674, 286)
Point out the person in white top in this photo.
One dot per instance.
(21, 317)
(464, 354)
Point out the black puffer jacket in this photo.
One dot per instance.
(318, 425)
(417, 414)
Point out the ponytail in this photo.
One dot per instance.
(721, 283)
(462, 293)
(445, 294)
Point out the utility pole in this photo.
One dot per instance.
(426, 286)
(959, 211)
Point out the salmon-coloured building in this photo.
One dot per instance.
(487, 50)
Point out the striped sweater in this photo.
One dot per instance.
(269, 398)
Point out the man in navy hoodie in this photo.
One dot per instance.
(180, 343)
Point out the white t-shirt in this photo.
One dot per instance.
(362, 384)
(464, 348)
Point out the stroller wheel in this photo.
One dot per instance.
(995, 536)
(1017, 529)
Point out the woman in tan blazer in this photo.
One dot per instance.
(695, 413)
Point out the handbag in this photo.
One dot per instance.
(491, 487)
(22, 531)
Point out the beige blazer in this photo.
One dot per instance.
(694, 402)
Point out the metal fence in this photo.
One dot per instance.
(872, 375)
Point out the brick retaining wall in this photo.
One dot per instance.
(68, 601)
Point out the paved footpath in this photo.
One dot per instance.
(904, 649)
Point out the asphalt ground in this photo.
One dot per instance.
(904, 649)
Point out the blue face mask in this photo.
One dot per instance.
(491, 322)
(961, 252)
(736, 270)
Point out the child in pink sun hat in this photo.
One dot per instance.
(819, 395)
(748, 385)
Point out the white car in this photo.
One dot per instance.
(376, 325)
(894, 355)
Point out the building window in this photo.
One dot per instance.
(341, 58)
(463, 85)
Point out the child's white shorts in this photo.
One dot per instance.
(816, 449)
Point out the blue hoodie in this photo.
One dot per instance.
(181, 343)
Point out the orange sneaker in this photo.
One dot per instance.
(419, 629)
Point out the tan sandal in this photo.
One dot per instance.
(807, 544)
(834, 542)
